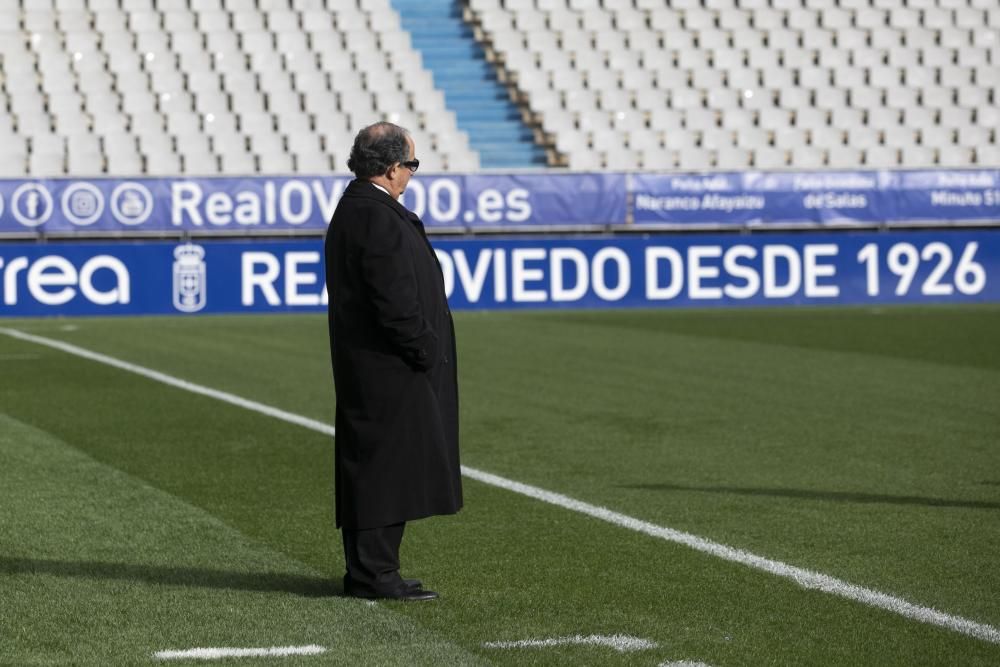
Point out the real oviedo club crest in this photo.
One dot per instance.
(190, 287)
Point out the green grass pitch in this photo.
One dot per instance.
(864, 444)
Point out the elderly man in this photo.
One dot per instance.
(393, 348)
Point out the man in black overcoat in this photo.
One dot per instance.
(393, 347)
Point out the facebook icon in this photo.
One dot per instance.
(31, 204)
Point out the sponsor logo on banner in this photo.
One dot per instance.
(82, 204)
(190, 285)
(131, 203)
(31, 204)
(56, 280)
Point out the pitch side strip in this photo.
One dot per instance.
(803, 577)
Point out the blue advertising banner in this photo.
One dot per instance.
(248, 205)
(540, 199)
(929, 196)
(507, 201)
(815, 268)
(756, 198)
(817, 198)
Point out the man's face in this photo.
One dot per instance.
(404, 173)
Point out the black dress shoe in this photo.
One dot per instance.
(349, 584)
(404, 592)
(407, 589)
(412, 595)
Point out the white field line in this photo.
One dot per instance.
(620, 643)
(803, 577)
(221, 653)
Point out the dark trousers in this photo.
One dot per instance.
(372, 557)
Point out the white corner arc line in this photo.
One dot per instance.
(620, 643)
(803, 577)
(222, 653)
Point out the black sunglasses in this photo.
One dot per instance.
(412, 165)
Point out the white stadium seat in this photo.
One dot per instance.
(814, 67)
(687, 84)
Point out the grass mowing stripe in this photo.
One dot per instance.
(173, 381)
(806, 578)
(99, 567)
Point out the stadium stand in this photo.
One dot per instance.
(482, 105)
(164, 87)
(231, 87)
(731, 84)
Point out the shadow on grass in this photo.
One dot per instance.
(263, 582)
(829, 496)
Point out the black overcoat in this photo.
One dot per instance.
(392, 342)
